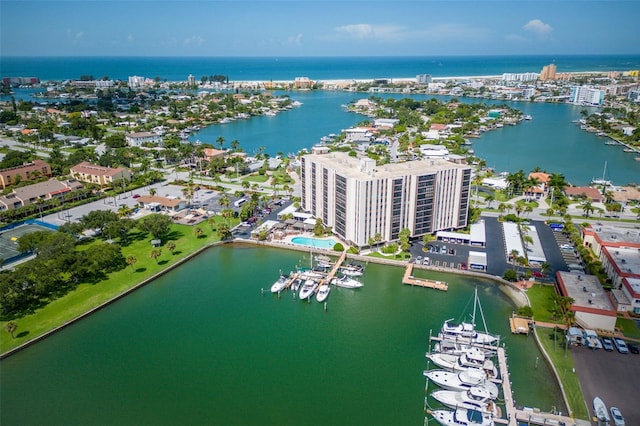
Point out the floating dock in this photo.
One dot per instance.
(519, 325)
(420, 282)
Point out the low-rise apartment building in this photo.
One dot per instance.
(28, 171)
(99, 175)
(30, 194)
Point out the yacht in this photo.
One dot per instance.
(295, 285)
(462, 380)
(475, 398)
(472, 358)
(458, 348)
(352, 270)
(465, 332)
(308, 288)
(323, 292)
(462, 417)
(346, 282)
(279, 285)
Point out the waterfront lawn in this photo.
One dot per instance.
(563, 364)
(88, 296)
(540, 297)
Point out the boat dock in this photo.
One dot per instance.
(528, 416)
(336, 266)
(411, 280)
(519, 325)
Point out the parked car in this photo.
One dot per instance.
(616, 416)
(620, 345)
(463, 266)
(566, 247)
(136, 196)
(607, 344)
(418, 259)
(633, 348)
(537, 274)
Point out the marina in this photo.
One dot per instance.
(472, 391)
(409, 279)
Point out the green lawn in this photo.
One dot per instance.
(88, 296)
(256, 178)
(563, 363)
(540, 298)
(628, 327)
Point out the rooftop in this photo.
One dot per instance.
(366, 169)
(586, 292)
(616, 234)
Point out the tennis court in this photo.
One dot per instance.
(10, 235)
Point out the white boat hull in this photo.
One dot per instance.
(308, 288)
(323, 293)
(473, 399)
(462, 381)
(462, 417)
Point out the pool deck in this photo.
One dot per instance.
(289, 239)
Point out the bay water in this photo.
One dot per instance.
(203, 345)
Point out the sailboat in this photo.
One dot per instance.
(602, 181)
(465, 332)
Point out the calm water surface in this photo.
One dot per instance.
(202, 345)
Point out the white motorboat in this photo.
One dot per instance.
(279, 285)
(295, 285)
(346, 282)
(458, 348)
(462, 380)
(323, 292)
(465, 332)
(308, 288)
(472, 358)
(352, 270)
(462, 417)
(475, 398)
(600, 410)
(310, 274)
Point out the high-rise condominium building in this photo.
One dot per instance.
(548, 72)
(359, 199)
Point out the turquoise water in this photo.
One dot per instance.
(314, 242)
(202, 345)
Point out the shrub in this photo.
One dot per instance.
(338, 247)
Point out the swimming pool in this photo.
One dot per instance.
(314, 242)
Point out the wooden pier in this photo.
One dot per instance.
(411, 280)
(519, 325)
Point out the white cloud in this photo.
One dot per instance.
(295, 40)
(369, 31)
(538, 27)
(193, 41)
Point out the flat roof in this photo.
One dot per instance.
(352, 166)
(586, 291)
(512, 238)
(634, 283)
(477, 258)
(534, 249)
(627, 259)
(616, 234)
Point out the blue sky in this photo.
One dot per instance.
(317, 28)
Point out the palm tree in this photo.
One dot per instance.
(198, 232)
(131, 260)
(514, 254)
(587, 207)
(220, 141)
(224, 200)
(11, 328)
(490, 199)
(155, 254)
(152, 192)
(171, 246)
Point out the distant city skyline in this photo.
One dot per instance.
(317, 28)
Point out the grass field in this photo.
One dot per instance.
(88, 296)
(563, 363)
(541, 302)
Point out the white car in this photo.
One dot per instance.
(566, 247)
(616, 416)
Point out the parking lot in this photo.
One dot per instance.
(612, 376)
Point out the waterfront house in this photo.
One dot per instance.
(139, 138)
(585, 192)
(157, 204)
(540, 190)
(99, 175)
(359, 134)
(27, 171)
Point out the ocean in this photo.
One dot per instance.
(316, 68)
